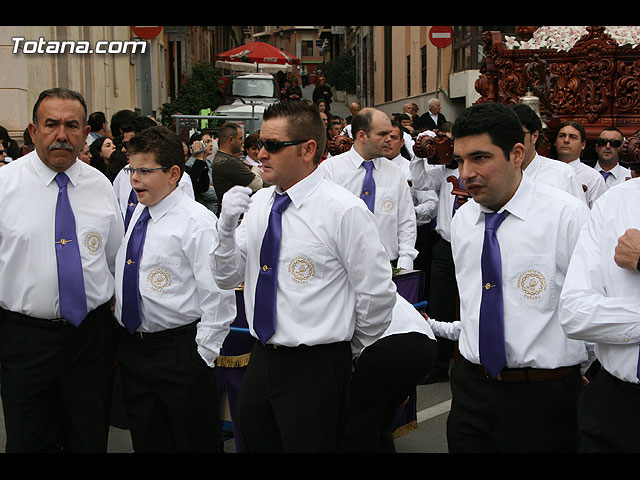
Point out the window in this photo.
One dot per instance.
(468, 46)
(307, 48)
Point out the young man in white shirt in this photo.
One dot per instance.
(543, 169)
(391, 199)
(326, 294)
(569, 144)
(173, 318)
(608, 147)
(599, 303)
(517, 385)
(57, 330)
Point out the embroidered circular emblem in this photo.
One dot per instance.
(93, 242)
(388, 205)
(301, 269)
(159, 279)
(532, 283)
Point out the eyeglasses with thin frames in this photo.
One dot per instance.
(143, 171)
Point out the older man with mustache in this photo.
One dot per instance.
(61, 230)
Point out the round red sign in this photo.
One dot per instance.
(146, 32)
(441, 36)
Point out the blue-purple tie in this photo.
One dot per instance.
(131, 206)
(492, 348)
(131, 315)
(368, 186)
(73, 298)
(264, 316)
(605, 175)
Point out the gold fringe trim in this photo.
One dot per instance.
(237, 361)
(405, 429)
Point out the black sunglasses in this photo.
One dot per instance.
(602, 142)
(273, 146)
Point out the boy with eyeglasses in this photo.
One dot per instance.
(173, 318)
(608, 149)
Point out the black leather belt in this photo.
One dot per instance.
(53, 323)
(171, 332)
(525, 375)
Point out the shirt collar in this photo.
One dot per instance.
(533, 167)
(47, 175)
(302, 189)
(518, 205)
(158, 210)
(357, 160)
(614, 171)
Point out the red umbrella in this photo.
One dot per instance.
(257, 52)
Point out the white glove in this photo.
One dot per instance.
(235, 202)
(405, 263)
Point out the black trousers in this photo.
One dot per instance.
(385, 375)
(498, 417)
(426, 239)
(57, 382)
(169, 392)
(443, 300)
(608, 415)
(294, 399)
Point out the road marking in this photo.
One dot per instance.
(434, 411)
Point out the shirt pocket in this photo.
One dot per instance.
(302, 265)
(530, 280)
(159, 274)
(92, 237)
(386, 201)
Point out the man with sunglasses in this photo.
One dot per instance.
(608, 149)
(325, 295)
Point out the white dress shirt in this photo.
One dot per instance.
(122, 187)
(591, 179)
(536, 242)
(334, 277)
(556, 174)
(28, 267)
(618, 175)
(393, 204)
(428, 177)
(176, 283)
(406, 319)
(600, 302)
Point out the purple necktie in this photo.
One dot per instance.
(131, 316)
(605, 175)
(492, 350)
(73, 298)
(264, 316)
(368, 186)
(131, 206)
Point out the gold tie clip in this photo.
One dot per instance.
(64, 241)
(487, 286)
(265, 268)
(129, 262)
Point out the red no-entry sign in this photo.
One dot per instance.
(441, 36)
(146, 32)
